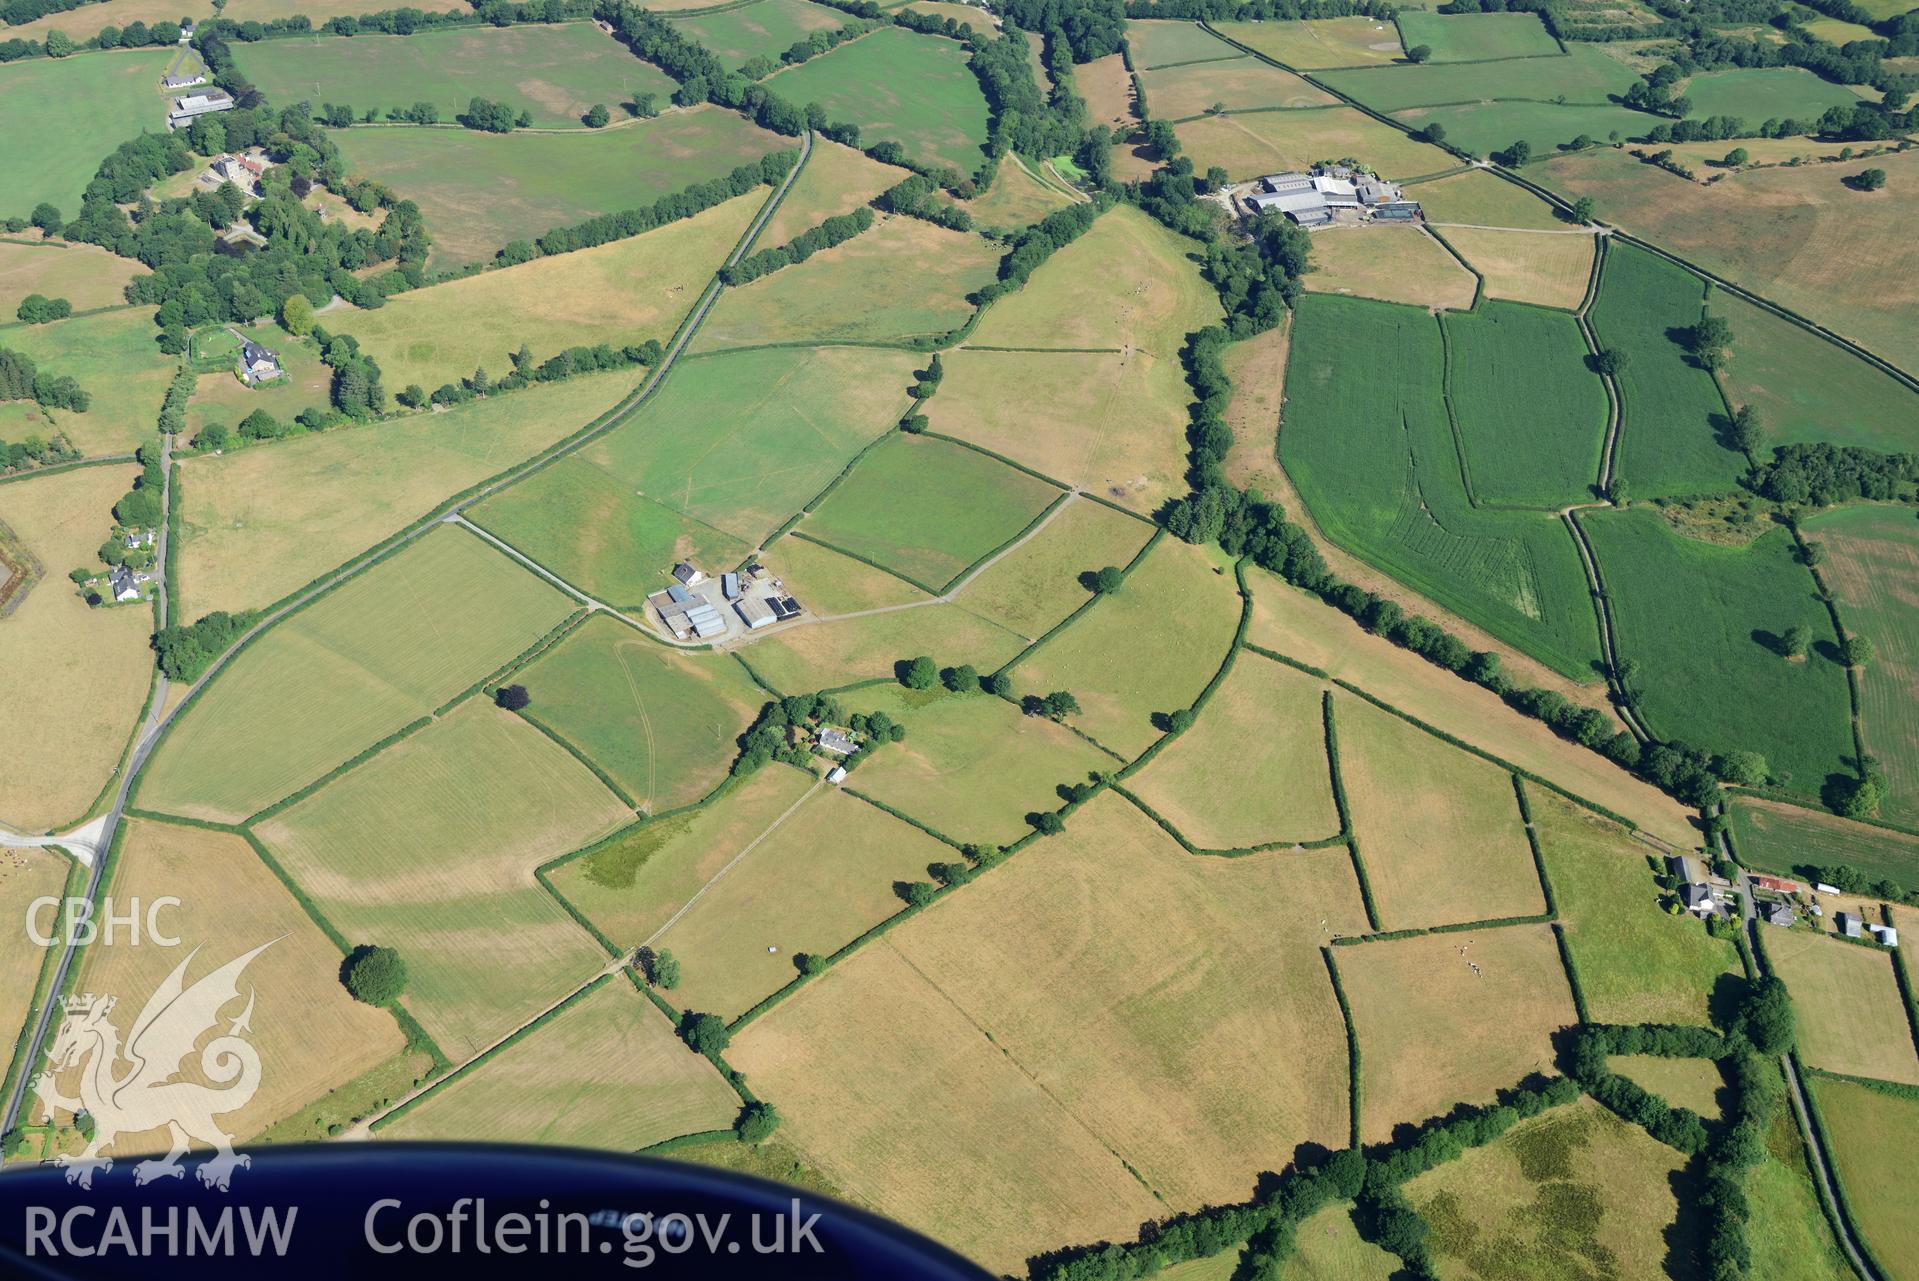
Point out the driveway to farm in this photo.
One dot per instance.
(159, 719)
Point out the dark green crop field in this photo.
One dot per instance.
(1368, 444)
(1531, 415)
(1672, 411)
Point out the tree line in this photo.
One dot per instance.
(833, 231)
(22, 379)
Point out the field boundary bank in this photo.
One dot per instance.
(1602, 610)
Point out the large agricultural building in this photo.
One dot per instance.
(1330, 193)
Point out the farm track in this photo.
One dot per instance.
(159, 720)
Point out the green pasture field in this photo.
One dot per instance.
(1319, 43)
(1872, 567)
(1253, 768)
(1150, 647)
(660, 722)
(1115, 422)
(429, 848)
(333, 679)
(1790, 1235)
(1805, 388)
(1374, 460)
(1687, 1083)
(1586, 77)
(1873, 1136)
(766, 28)
(1702, 621)
(479, 190)
(633, 884)
(1636, 964)
(607, 1072)
(113, 358)
(971, 766)
(1439, 830)
(1794, 235)
(927, 509)
(831, 582)
(1466, 37)
(1245, 83)
(1155, 43)
(819, 880)
(1327, 1247)
(1552, 1195)
(1758, 94)
(836, 180)
(222, 398)
(1036, 585)
(1846, 999)
(742, 440)
(85, 276)
(1785, 838)
(621, 293)
(1481, 199)
(1670, 407)
(1252, 143)
(1485, 127)
(840, 651)
(1835, 32)
(586, 525)
(1531, 415)
(898, 86)
(257, 523)
(65, 114)
(1435, 1031)
(904, 279)
(552, 72)
(1127, 282)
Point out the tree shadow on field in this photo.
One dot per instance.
(1724, 1001)
(1770, 641)
(1829, 651)
(1685, 1236)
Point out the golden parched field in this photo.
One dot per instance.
(1316, 44)
(1300, 626)
(832, 583)
(1126, 283)
(25, 875)
(1684, 1083)
(633, 884)
(1111, 423)
(1851, 1017)
(1060, 1043)
(261, 522)
(1478, 198)
(1149, 647)
(313, 1036)
(903, 278)
(606, 1072)
(1016, 198)
(1796, 235)
(331, 680)
(1262, 142)
(816, 882)
(1434, 1032)
(1439, 829)
(620, 293)
(430, 848)
(1568, 1195)
(836, 180)
(1253, 768)
(972, 766)
(1036, 585)
(84, 276)
(1239, 84)
(1547, 268)
(1397, 264)
(74, 678)
(841, 651)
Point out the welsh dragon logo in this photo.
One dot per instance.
(131, 1089)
